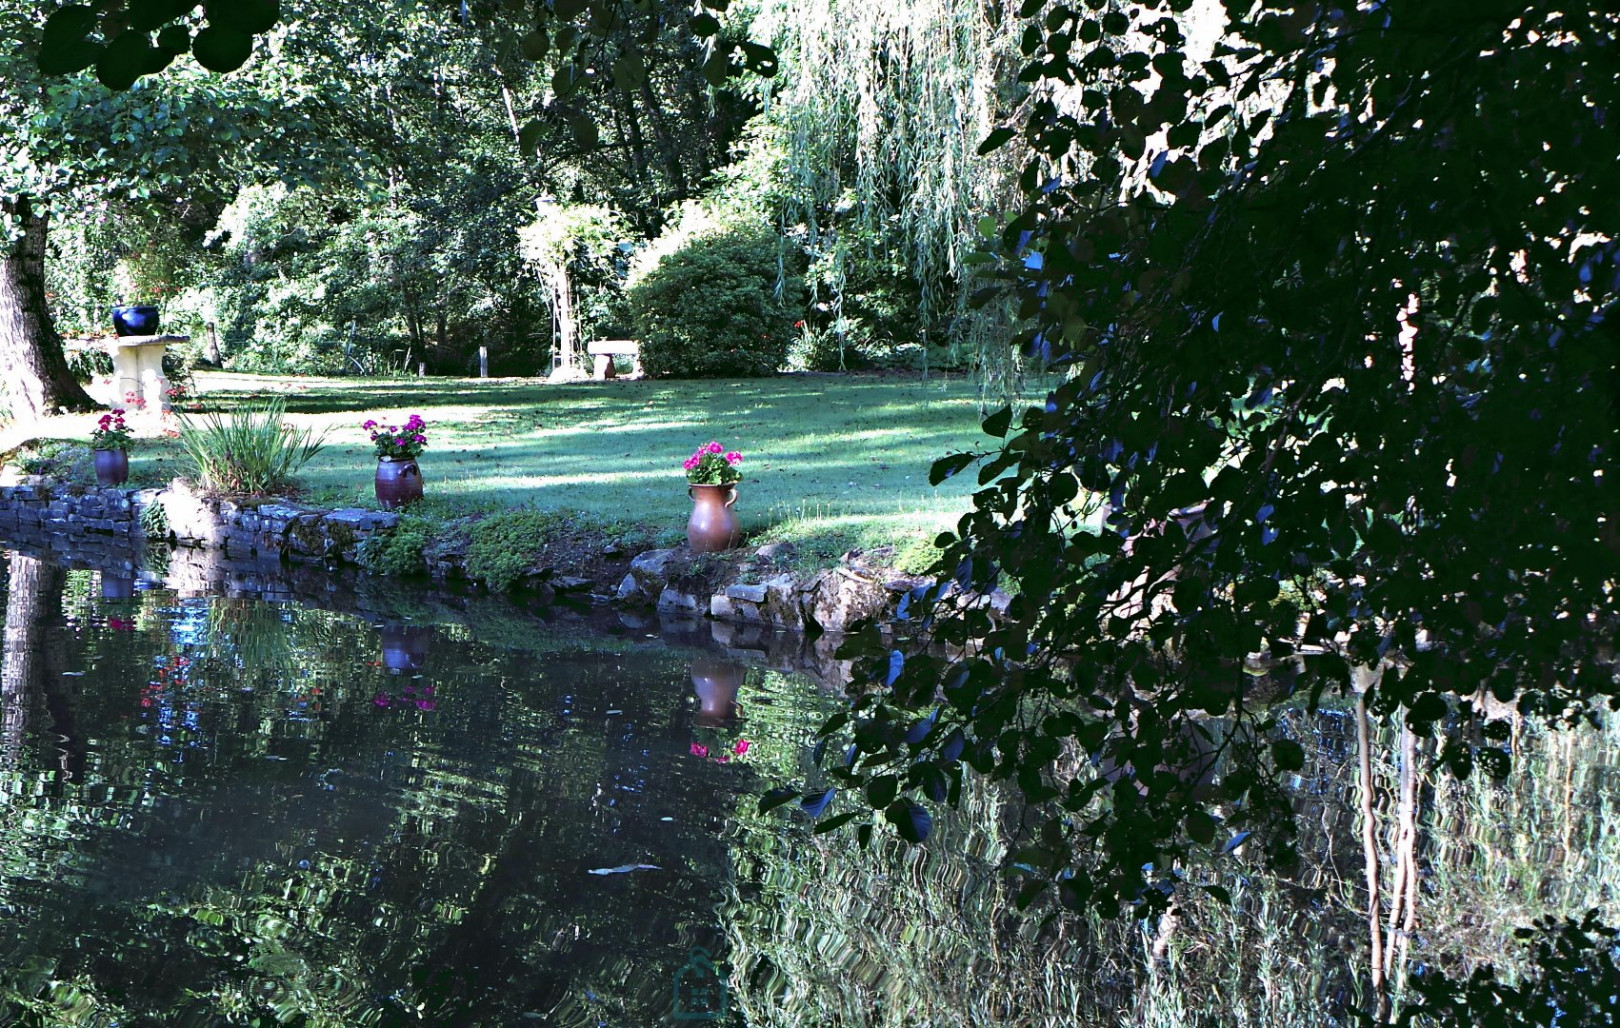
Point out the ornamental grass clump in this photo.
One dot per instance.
(398, 442)
(712, 464)
(111, 433)
(251, 453)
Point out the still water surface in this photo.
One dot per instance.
(395, 810)
(213, 810)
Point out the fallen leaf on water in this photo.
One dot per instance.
(624, 869)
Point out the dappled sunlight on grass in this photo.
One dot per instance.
(830, 462)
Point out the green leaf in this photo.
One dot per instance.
(997, 423)
(63, 46)
(910, 819)
(948, 466)
(126, 59)
(832, 824)
(1218, 893)
(774, 798)
(535, 45)
(530, 135)
(705, 24)
(881, 791)
(630, 71)
(146, 15)
(220, 49)
(565, 80)
(1200, 827)
(761, 60)
(1288, 755)
(995, 141)
(247, 17)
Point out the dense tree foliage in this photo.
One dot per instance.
(1339, 300)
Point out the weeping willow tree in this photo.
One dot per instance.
(881, 108)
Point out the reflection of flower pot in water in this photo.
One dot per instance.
(716, 683)
(116, 587)
(404, 648)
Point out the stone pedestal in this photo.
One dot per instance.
(138, 370)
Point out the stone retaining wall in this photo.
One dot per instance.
(105, 527)
(88, 521)
(831, 600)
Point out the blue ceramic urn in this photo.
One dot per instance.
(135, 321)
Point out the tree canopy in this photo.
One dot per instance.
(1338, 297)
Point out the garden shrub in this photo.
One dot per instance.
(724, 305)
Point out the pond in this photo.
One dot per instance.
(385, 807)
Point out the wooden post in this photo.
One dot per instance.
(483, 362)
(421, 369)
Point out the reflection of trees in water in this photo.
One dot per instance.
(823, 932)
(282, 845)
(31, 666)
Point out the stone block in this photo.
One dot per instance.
(678, 602)
(752, 593)
(629, 590)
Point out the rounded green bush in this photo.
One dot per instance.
(713, 309)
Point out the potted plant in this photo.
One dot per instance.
(713, 477)
(399, 480)
(134, 276)
(111, 441)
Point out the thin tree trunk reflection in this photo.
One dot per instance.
(33, 589)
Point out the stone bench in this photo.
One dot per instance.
(604, 350)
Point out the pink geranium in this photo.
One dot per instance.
(398, 441)
(713, 464)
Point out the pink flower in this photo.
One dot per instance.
(424, 704)
(741, 747)
(690, 463)
(714, 448)
(699, 750)
(733, 457)
(721, 759)
(381, 699)
(120, 625)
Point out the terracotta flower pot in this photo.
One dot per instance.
(713, 525)
(112, 467)
(399, 481)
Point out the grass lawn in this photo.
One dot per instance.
(831, 462)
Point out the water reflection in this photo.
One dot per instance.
(117, 587)
(249, 833)
(429, 809)
(716, 682)
(405, 648)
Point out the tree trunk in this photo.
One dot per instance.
(32, 365)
